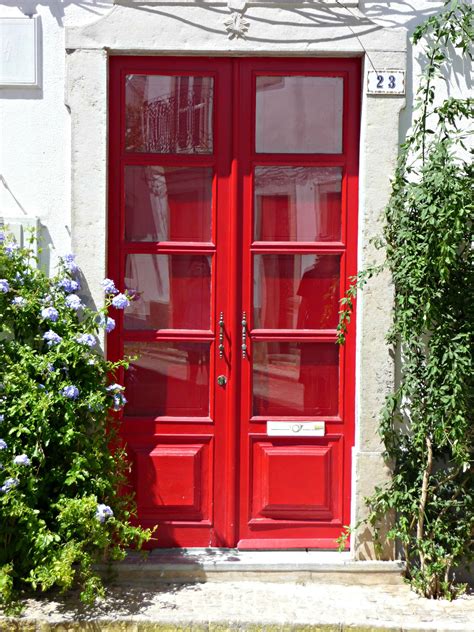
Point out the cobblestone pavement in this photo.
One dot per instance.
(250, 605)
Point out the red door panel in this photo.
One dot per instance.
(174, 480)
(233, 224)
(293, 480)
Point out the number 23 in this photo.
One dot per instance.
(391, 81)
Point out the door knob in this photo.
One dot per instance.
(222, 380)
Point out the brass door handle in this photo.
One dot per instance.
(244, 335)
(221, 335)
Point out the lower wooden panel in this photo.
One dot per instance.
(295, 480)
(173, 479)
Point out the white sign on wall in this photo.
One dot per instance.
(19, 48)
(386, 82)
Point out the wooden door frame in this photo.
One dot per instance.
(232, 160)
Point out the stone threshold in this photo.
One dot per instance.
(201, 565)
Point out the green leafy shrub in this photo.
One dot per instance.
(427, 423)
(61, 461)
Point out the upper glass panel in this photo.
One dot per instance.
(297, 204)
(299, 115)
(169, 115)
(168, 203)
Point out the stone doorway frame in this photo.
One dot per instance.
(311, 28)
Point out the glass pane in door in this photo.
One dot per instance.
(295, 378)
(169, 114)
(299, 115)
(167, 378)
(296, 291)
(297, 203)
(168, 203)
(170, 291)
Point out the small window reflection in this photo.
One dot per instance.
(169, 114)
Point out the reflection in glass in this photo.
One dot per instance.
(170, 291)
(167, 378)
(168, 115)
(296, 291)
(299, 115)
(297, 204)
(291, 378)
(168, 203)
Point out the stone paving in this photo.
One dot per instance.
(249, 605)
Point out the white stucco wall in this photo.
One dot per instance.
(35, 124)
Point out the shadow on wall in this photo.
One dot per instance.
(406, 13)
(409, 14)
(57, 7)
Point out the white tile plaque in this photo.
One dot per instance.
(19, 52)
(386, 82)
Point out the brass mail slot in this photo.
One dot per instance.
(296, 428)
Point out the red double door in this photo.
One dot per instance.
(233, 220)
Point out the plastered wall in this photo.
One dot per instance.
(35, 124)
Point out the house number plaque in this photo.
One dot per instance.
(386, 82)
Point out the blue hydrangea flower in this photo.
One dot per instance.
(115, 388)
(107, 323)
(109, 286)
(4, 286)
(71, 392)
(73, 301)
(9, 484)
(103, 512)
(50, 313)
(69, 285)
(3, 445)
(2, 236)
(51, 338)
(119, 401)
(86, 339)
(120, 301)
(20, 301)
(19, 276)
(50, 367)
(10, 248)
(69, 261)
(22, 459)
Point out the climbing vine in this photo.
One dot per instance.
(426, 424)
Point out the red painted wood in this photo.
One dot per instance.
(203, 467)
(339, 404)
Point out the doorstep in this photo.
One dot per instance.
(216, 565)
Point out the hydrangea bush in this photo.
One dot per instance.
(61, 462)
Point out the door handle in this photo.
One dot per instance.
(244, 335)
(221, 335)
